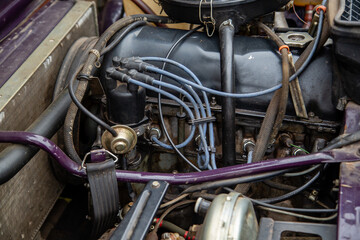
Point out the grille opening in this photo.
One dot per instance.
(351, 11)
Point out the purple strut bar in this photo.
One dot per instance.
(181, 178)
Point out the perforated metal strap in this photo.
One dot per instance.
(104, 195)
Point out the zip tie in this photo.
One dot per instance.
(284, 46)
(320, 7)
(97, 55)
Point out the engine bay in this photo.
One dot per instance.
(243, 125)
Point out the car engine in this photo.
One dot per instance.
(241, 124)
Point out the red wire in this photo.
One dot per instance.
(299, 16)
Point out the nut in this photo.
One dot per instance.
(155, 184)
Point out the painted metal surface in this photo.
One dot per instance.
(349, 190)
(333, 156)
(24, 202)
(16, 48)
(272, 230)
(111, 13)
(14, 12)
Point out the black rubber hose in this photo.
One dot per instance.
(292, 193)
(226, 35)
(147, 10)
(15, 157)
(279, 186)
(121, 35)
(277, 107)
(266, 128)
(89, 66)
(69, 123)
(343, 141)
(173, 228)
(302, 210)
(283, 99)
(207, 196)
(62, 77)
(233, 181)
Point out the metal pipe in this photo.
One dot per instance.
(333, 156)
(14, 158)
(226, 35)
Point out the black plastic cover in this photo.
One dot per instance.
(239, 11)
(257, 66)
(346, 35)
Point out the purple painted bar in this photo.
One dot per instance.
(349, 189)
(181, 178)
(16, 48)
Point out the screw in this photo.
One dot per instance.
(311, 114)
(155, 184)
(213, 102)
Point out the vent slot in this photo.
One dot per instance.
(351, 11)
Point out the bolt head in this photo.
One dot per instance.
(155, 184)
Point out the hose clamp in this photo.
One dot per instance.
(209, 20)
(97, 55)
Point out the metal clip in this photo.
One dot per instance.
(207, 22)
(97, 54)
(202, 120)
(89, 153)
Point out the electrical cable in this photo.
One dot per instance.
(175, 200)
(87, 112)
(233, 181)
(159, 95)
(201, 130)
(301, 210)
(296, 14)
(121, 35)
(300, 215)
(306, 171)
(346, 140)
(253, 94)
(169, 210)
(206, 100)
(292, 193)
(187, 109)
(93, 59)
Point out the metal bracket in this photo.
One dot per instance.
(210, 20)
(137, 221)
(202, 120)
(296, 94)
(272, 230)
